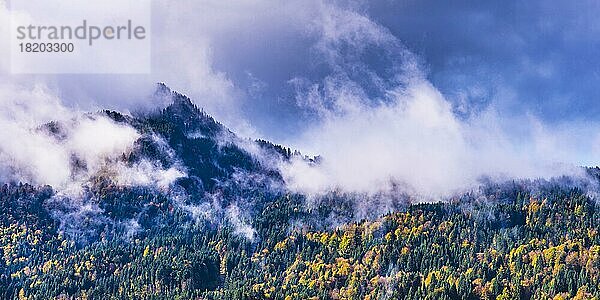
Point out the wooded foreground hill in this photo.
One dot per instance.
(229, 230)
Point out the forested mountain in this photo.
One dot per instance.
(229, 229)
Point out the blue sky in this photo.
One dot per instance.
(534, 58)
(545, 52)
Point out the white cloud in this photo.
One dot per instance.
(146, 173)
(239, 224)
(417, 140)
(68, 154)
(410, 136)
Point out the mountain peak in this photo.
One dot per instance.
(181, 105)
(183, 113)
(162, 89)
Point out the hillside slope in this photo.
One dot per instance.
(226, 227)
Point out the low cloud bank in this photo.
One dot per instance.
(380, 128)
(45, 143)
(417, 141)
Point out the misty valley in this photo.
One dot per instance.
(171, 204)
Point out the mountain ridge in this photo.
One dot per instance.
(211, 218)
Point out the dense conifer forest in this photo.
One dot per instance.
(230, 230)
